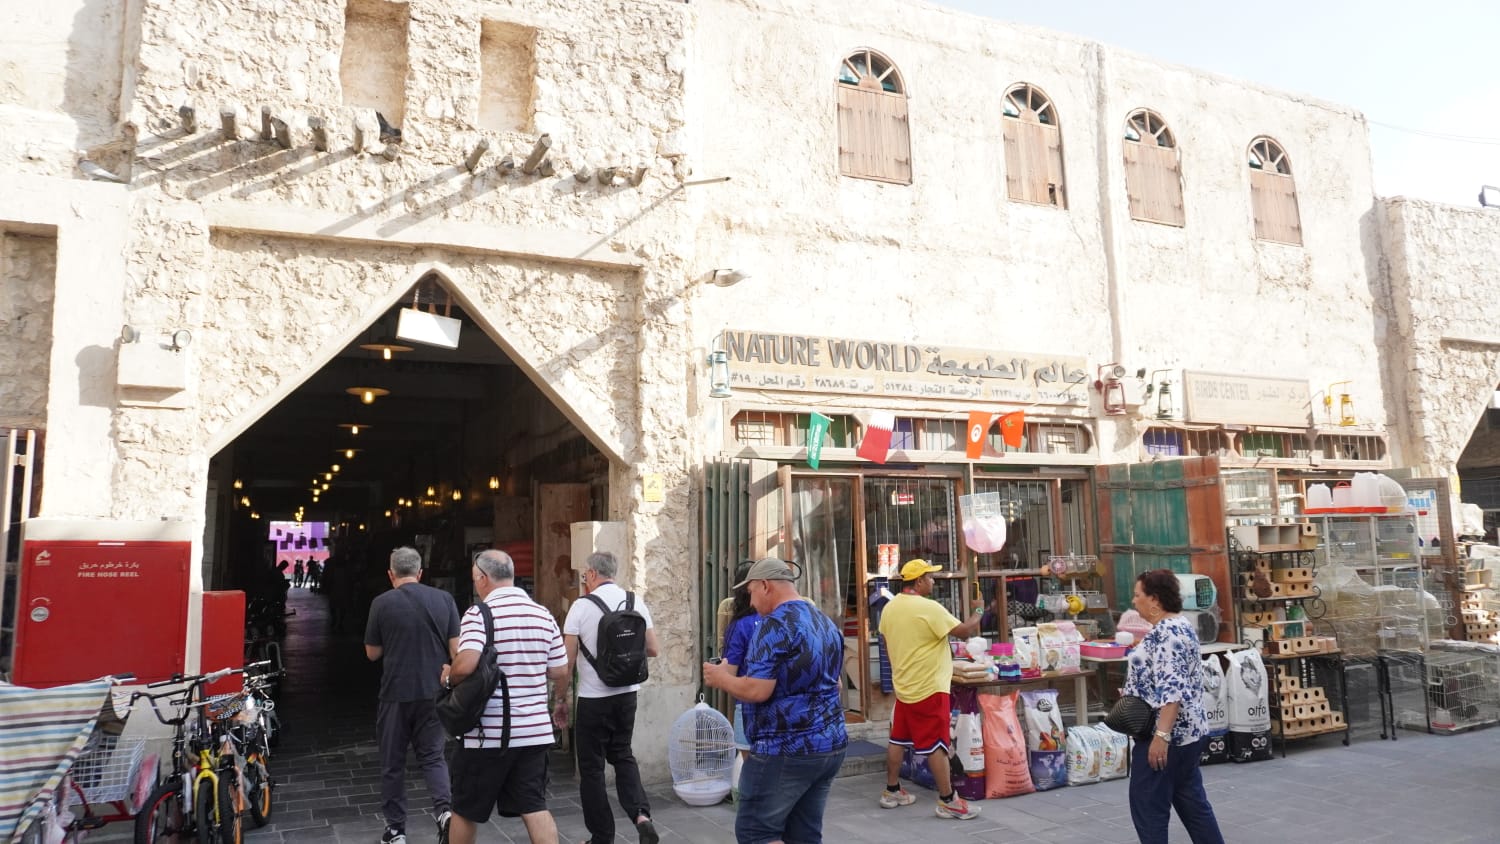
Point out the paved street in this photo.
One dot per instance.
(1419, 788)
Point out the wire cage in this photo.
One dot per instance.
(106, 769)
(1463, 686)
(1364, 708)
(1406, 683)
(701, 753)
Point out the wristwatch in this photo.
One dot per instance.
(1164, 736)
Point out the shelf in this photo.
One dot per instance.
(1285, 657)
(1014, 573)
(1284, 736)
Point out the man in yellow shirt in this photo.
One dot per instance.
(916, 630)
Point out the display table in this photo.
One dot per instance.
(1048, 678)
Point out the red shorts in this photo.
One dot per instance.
(923, 726)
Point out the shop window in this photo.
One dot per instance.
(1363, 447)
(1040, 437)
(1028, 530)
(759, 427)
(1273, 194)
(1165, 441)
(1153, 170)
(1273, 444)
(1033, 147)
(874, 131)
(507, 76)
(372, 64)
(918, 516)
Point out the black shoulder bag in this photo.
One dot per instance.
(461, 707)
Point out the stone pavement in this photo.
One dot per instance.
(1419, 788)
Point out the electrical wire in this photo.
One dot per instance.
(1440, 136)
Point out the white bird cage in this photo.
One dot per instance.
(701, 752)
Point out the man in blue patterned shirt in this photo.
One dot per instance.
(793, 713)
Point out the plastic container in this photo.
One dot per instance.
(1343, 498)
(1392, 494)
(1366, 492)
(1319, 498)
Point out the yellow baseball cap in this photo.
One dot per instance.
(916, 568)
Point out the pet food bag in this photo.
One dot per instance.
(1083, 756)
(1051, 647)
(1249, 710)
(1114, 753)
(1045, 737)
(1216, 705)
(1006, 771)
(968, 745)
(1024, 648)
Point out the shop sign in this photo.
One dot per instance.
(808, 363)
(1217, 398)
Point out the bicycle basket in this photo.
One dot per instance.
(107, 767)
(223, 707)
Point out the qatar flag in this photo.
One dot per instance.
(877, 442)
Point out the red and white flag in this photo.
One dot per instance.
(979, 431)
(877, 442)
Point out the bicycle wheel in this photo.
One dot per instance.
(161, 818)
(231, 809)
(258, 791)
(206, 812)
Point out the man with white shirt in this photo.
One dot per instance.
(487, 771)
(605, 723)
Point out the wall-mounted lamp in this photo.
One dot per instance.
(718, 375)
(1346, 404)
(494, 481)
(1161, 385)
(239, 484)
(458, 495)
(727, 277)
(1111, 389)
(368, 395)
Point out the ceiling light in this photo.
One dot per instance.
(325, 487)
(327, 476)
(335, 468)
(239, 484)
(458, 496)
(494, 482)
(350, 452)
(386, 350)
(368, 395)
(355, 427)
(388, 514)
(431, 492)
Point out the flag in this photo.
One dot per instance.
(1013, 428)
(979, 429)
(815, 432)
(877, 442)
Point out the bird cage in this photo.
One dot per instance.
(701, 752)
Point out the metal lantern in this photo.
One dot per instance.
(701, 752)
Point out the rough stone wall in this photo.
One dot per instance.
(28, 269)
(1444, 266)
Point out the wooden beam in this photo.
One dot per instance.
(543, 144)
(472, 162)
(319, 132)
(607, 175)
(583, 174)
(638, 176)
(282, 133)
(546, 169)
(508, 164)
(227, 119)
(189, 117)
(267, 131)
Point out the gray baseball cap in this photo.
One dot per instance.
(769, 568)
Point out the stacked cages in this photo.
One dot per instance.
(1370, 578)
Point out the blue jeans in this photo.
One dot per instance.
(782, 797)
(1179, 785)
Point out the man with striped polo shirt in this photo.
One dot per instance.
(529, 649)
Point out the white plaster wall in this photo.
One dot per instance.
(950, 259)
(1444, 266)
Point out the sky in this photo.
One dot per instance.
(1431, 68)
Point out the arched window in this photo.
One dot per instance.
(874, 136)
(1153, 170)
(1273, 194)
(1033, 147)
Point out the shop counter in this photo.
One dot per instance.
(1048, 678)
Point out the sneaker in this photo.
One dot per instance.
(393, 835)
(959, 809)
(891, 799)
(647, 831)
(442, 825)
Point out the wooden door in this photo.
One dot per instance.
(558, 507)
(1163, 514)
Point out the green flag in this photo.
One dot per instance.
(815, 432)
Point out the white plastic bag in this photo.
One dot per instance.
(968, 739)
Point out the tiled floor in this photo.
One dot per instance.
(1419, 788)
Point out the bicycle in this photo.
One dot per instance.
(203, 795)
(254, 732)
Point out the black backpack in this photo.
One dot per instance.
(622, 644)
(460, 708)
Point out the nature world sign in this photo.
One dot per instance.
(760, 360)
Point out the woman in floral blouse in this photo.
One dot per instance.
(1166, 670)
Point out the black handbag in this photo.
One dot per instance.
(1131, 716)
(460, 707)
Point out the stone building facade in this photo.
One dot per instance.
(275, 246)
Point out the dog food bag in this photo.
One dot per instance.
(1083, 756)
(1006, 771)
(1114, 753)
(1045, 737)
(1216, 704)
(1249, 715)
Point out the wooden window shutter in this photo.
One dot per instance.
(1056, 195)
(874, 135)
(1273, 200)
(1153, 183)
(1033, 162)
(1011, 141)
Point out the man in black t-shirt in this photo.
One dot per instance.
(404, 629)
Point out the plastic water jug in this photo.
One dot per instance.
(1343, 496)
(1319, 497)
